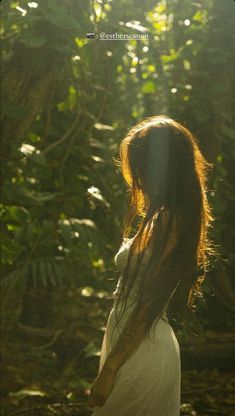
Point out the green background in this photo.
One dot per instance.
(67, 102)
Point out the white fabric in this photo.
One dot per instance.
(148, 383)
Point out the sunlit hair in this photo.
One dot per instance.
(166, 174)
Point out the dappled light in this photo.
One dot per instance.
(76, 76)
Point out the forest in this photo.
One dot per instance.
(69, 94)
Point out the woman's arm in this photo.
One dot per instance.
(128, 341)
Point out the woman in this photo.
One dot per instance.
(162, 268)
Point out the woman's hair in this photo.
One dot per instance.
(166, 175)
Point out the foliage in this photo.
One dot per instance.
(68, 100)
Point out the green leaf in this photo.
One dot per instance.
(44, 196)
(39, 158)
(200, 16)
(33, 153)
(149, 87)
(91, 350)
(135, 25)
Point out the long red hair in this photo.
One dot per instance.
(166, 175)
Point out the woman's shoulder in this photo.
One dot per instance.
(123, 249)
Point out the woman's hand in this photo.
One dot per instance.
(102, 387)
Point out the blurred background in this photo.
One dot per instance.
(67, 101)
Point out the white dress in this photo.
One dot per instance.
(148, 383)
